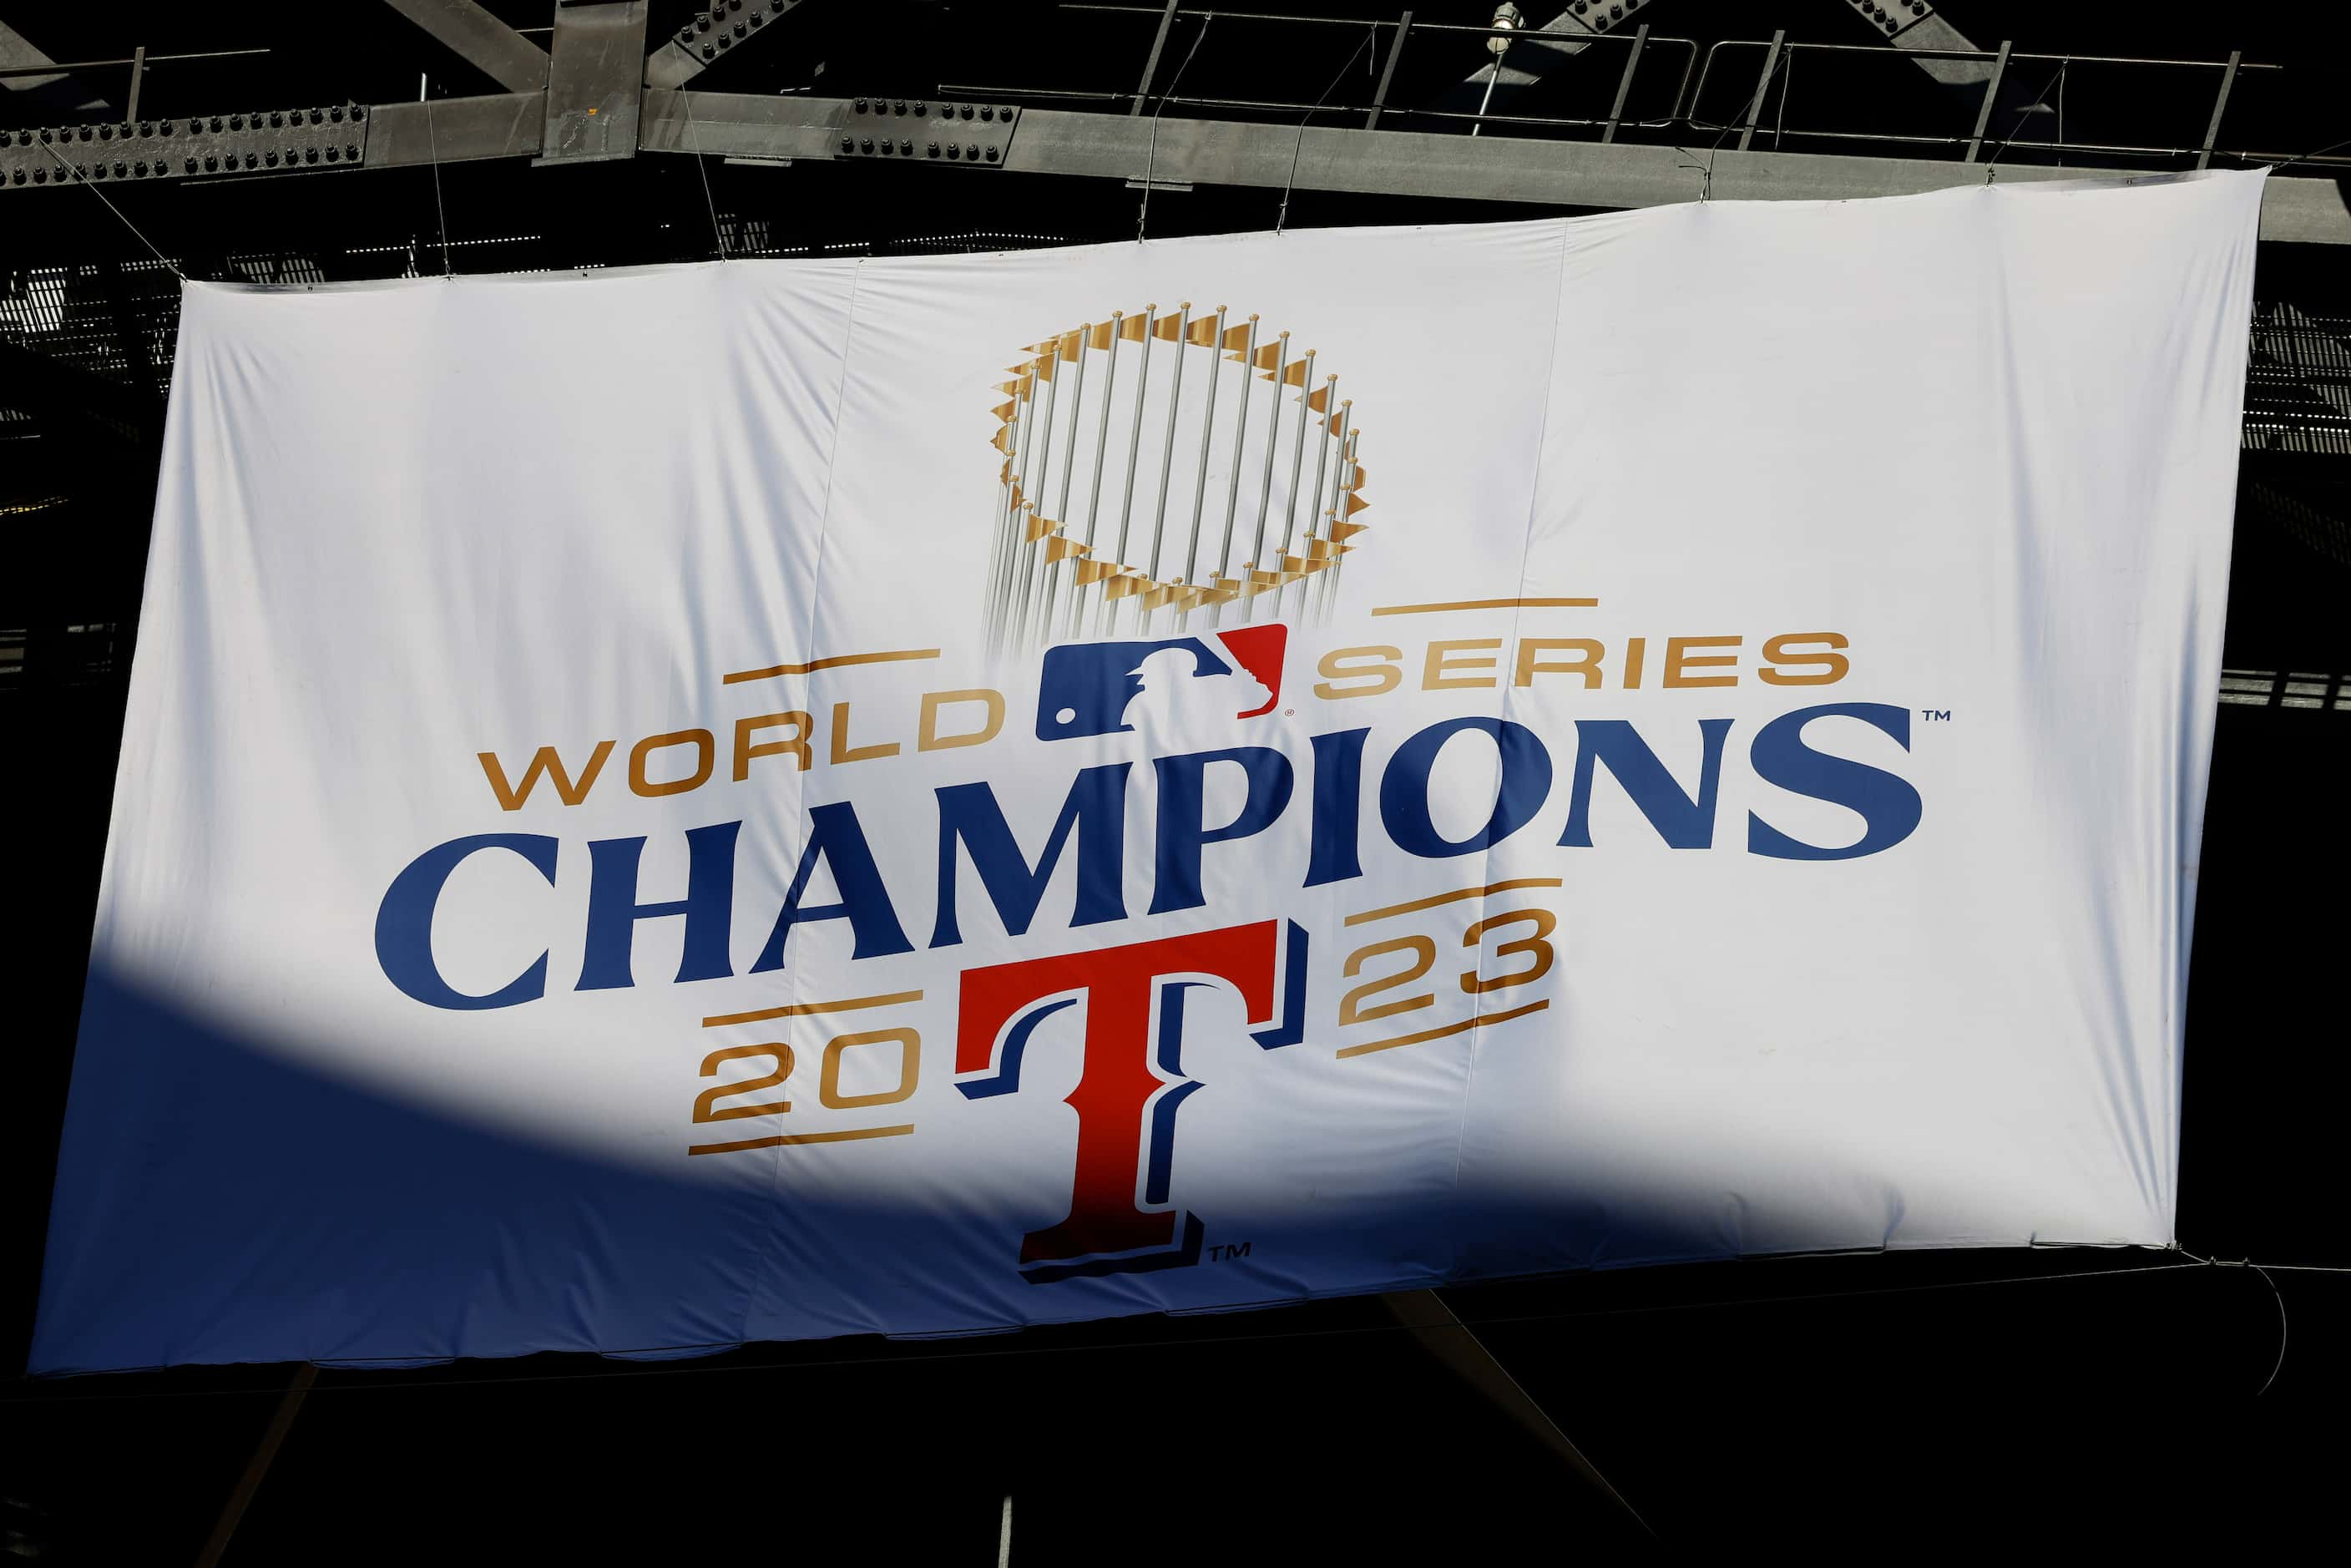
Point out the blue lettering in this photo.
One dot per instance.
(835, 837)
(1889, 807)
(1176, 867)
(1096, 808)
(1683, 822)
(1337, 823)
(614, 910)
(404, 924)
(1522, 782)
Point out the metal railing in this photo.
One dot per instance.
(1673, 87)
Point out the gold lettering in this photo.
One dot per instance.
(910, 1067)
(544, 760)
(1342, 665)
(796, 743)
(1436, 671)
(1587, 662)
(706, 751)
(1778, 652)
(844, 752)
(930, 739)
(1679, 659)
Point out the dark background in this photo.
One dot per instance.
(1844, 1404)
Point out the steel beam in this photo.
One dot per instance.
(70, 96)
(1909, 25)
(1546, 48)
(1151, 65)
(1230, 153)
(1456, 1346)
(719, 29)
(781, 128)
(595, 80)
(1553, 174)
(457, 130)
(512, 61)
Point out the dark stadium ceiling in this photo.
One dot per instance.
(1596, 103)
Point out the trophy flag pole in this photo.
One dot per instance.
(1021, 504)
(1134, 450)
(1168, 454)
(1047, 368)
(1069, 465)
(1016, 459)
(1340, 515)
(1007, 439)
(995, 550)
(1102, 446)
(1320, 589)
(1233, 483)
(1279, 348)
(1200, 482)
(1329, 390)
(1298, 460)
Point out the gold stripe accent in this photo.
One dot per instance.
(804, 1010)
(1436, 899)
(1464, 1027)
(782, 1139)
(1489, 604)
(834, 663)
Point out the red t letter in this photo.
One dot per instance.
(1131, 1081)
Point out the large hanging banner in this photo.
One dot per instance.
(671, 807)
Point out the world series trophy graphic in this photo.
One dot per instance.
(1116, 438)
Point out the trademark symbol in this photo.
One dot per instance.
(1936, 714)
(1227, 1253)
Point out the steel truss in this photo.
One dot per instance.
(588, 97)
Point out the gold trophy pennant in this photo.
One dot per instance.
(1223, 590)
(1178, 456)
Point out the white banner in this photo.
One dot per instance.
(670, 808)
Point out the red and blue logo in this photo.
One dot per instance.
(1121, 1218)
(1086, 688)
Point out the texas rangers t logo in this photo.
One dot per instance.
(1120, 1217)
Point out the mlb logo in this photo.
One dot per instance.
(1087, 687)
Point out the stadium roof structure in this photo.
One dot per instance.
(401, 138)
